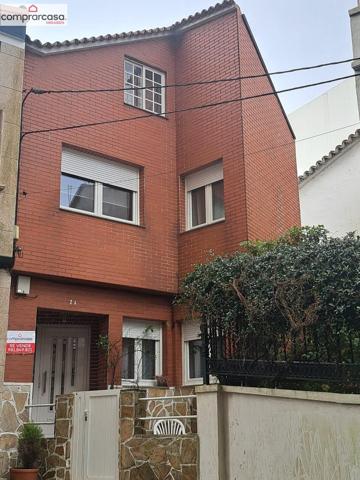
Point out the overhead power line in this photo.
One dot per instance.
(40, 91)
(246, 153)
(181, 110)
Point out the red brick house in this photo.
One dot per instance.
(112, 216)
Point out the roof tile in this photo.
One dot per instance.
(152, 31)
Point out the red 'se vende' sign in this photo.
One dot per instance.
(20, 342)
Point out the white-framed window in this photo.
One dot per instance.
(99, 187)
(192, 351)
(146, 84)
(141, 357)
(205, 196)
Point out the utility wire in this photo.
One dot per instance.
(181, 110)
(246, 153)
(40, 91)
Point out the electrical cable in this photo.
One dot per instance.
(40, 91)
(246, 153)
(181, 110)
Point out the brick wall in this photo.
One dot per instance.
(59, 243)
(260, 184)
(114, 304)
(252, 138)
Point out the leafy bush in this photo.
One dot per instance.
(274, 290)
(30, 449)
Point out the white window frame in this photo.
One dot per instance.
(98, 198)
(145, 68)
(136, 329)
(203, 178)
(186, 338)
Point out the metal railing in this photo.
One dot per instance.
(30, 406)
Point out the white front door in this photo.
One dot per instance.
(61, 366)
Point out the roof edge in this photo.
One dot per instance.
(193, 21)
(327, 159)
(266, 71)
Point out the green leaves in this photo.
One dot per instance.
(276, 288)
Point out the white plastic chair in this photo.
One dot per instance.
(172, 426)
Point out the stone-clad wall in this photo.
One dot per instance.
(176, 406)
(13, 413)
(57, 458)
(149, 457)
(142, 456)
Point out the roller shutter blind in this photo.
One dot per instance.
(141, 329)
(205, 176)
(99, 169)
(191, 330)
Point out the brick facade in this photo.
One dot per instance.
(119, 270)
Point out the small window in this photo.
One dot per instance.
(77, 193)
(145, 87)
(141, 352)
(148, 354)
(194, 359)
(198, 208)
(117, 203)
(128, 358)
(205, 196)
(217, 191)
(110, 191)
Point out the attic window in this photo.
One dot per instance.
(146, 83)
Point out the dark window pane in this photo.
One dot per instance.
(198, 206)
(148, 359)
(157, 108)
(117, 202)
(149, 95)
(129, 67)
(149, 74)
(128, 358)
(218, 199)
(195, 359)
(137, 71)
(77, 193)
(149, 105)
(157, 78)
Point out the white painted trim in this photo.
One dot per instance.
(185, 352)
(138, 327)
(143, 68)
(103, 217)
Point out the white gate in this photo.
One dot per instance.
(95, 440)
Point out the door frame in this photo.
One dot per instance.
(41, 337)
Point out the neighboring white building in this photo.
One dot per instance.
(334, 109)
(330, 190)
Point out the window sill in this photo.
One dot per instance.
(151, 114)
(101, 217)
(194, 381)
(140, 383)
(204, 225)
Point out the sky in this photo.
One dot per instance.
(289, 33)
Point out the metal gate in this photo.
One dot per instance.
(95, 439)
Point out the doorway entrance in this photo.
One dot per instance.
(61, 366)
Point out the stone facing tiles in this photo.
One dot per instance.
(142, 456)
(13, 414)
(162, 408)
(57, 457)
(149, 457)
